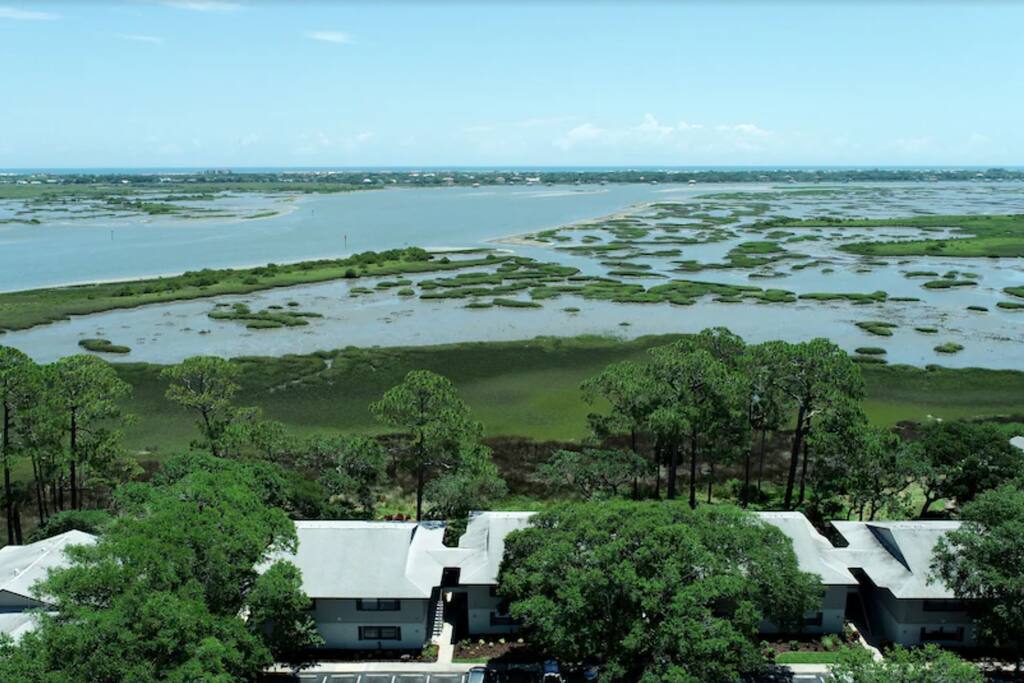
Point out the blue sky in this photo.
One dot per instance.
(250, 83)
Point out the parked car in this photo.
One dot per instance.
(552, 672)
(591, 672)
(479, 674)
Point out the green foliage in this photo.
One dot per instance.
(983, 561)
(949, 347)
(158, 597)
(439, 435)
(959, 460)
(928, 664)
(206, 385)
(351, 469)
(655, 591)
(594, 473)
(89, 521)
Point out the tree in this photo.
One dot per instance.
(815, 373)
(352, 469)
(983, 561)
(160, 594)
(19, 390)
(766, 402)
(961, 459)
(868, 466)
(85, 392)
(436, 423)
(594, 473)
(654, 590)
(696, 393)
(206, 385)
(928, 664)
(472, 485)
(630, 392)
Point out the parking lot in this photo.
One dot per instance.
(381, 677)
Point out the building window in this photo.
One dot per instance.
(816, 620)
(944, 606)
(378, 605)
(380, 633)
(948, 635)
(501, 620)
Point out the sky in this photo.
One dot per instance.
(236, 83)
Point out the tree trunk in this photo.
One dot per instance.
(658, 456)
(5, 445)
(794, 457)
(40, 491)
(693, 469)
(636, 478)
(673, 470)
(711, 479)
(746, 478)
(803, 473)
(928, 500)
(419, 491)
(760, 467)
(74, 458)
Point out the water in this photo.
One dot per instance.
(66, 250)
(460, 217)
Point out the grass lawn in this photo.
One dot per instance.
(527, 389)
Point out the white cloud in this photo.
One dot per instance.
(338, 37)
(26, 15)
(139, 38)
(203, 5)
(682, 136)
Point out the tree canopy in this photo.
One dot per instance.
(656, 591)
(160, 595)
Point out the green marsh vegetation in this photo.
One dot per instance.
(21, 310)
(99, 345)
(878, 328)
(976, 235)
(262, 320)
(949, 347)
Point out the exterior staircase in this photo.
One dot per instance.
(436, 625)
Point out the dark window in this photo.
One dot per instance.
(380, 633)
(944, 606)
(816, 620)
(501, 619)
(378, 605)
(450, 577)
(954, 635)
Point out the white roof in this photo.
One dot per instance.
(897, 555)
(813, 551)
(359, 559)
(1018, 441)
(17, 624)
(485, 536)
(22, 566)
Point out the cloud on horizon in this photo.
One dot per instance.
(7, 12)
(139, 38)
(337, 37)
(203, 5)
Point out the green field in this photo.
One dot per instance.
(528, 389)
(21, 310)
(995, 236)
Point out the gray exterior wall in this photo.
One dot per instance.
(901, 621)
(481, 606)
(833, 614)
(338, 622)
